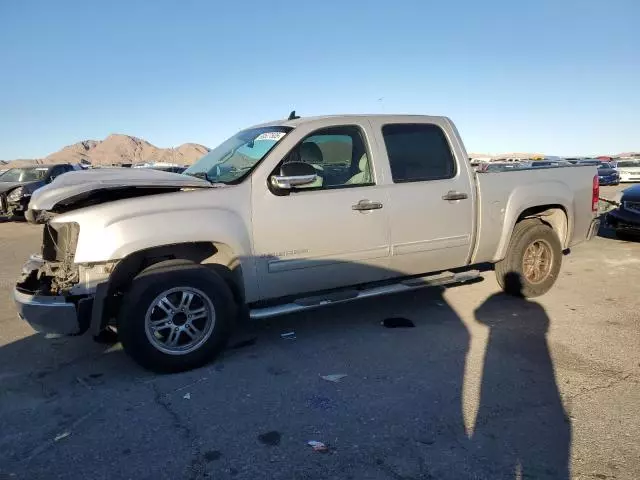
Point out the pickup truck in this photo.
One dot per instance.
(286, 216)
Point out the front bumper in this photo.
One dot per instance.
(623, 220)
(17, 208)
(47, 314)
(608, 180)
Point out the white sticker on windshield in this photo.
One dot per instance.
(42, 169)
(275, 136)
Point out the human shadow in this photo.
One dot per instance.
(521, 429)
(396, 415)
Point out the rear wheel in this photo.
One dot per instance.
(533, 260)
(176, 317)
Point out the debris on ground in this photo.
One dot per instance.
(397, 322)
(245, 343)
(288, 336)
(53, 336)
(270, 438)
(61, 436)
(334, 377)
(187, 396)
(318, 446)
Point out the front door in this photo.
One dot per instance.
(324, 235)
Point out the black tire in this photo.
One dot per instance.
(509, 271)
(146, 287)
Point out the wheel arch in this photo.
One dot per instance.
(554, 215)
(220, 257)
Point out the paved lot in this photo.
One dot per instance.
(484, 387)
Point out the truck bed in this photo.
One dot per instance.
(501, 196)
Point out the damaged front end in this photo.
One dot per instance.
(55, 295)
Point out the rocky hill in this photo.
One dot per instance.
(119, 149)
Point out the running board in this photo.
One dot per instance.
(347, 295)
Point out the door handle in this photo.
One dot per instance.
(364, 205)
(453, 195)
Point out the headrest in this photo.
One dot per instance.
(363, 163)
(310, 153)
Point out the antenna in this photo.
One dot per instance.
(293, 116)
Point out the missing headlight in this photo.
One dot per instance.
(59, 241)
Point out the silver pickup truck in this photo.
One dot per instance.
(286, 216)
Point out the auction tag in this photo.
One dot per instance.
(275, 136)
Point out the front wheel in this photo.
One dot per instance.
(532, 263)
(176, 317)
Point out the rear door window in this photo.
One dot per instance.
(418, 152)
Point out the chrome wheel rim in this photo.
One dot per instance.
(180, 320)
(537, 261)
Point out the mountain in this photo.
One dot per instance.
(119, 149)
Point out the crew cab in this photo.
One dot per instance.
(286, 216)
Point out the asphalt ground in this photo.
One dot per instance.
(483, 387)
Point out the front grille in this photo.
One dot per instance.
(632, 207)
(3, 203)
(59, 241)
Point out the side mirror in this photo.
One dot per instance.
(294, 174)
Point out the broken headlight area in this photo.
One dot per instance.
(40, 277)
(53, 272)
(59, 242)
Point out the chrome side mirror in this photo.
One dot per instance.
(294, 174)
(286, 183)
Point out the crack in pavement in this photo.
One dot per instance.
(197, 468)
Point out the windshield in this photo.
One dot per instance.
(24, 174)
(605, 166)
(629, 163)
(236, 157)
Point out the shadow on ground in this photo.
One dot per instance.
(69, 406)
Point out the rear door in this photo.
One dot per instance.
(332, 233)
(431, 213)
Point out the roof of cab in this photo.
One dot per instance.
(387, 117)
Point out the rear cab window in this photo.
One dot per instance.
(418, 152)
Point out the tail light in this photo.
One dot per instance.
(596, 194)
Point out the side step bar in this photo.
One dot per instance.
(341, 296)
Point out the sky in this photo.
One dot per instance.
(560, 77)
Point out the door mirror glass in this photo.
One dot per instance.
(294, 174)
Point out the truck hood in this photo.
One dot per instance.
(90, 187)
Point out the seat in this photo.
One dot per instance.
(364, 175)
(310, 153)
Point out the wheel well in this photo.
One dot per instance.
(217, 256)
(554, 216)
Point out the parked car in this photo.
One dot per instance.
(18, 184)
(629, 170)
(626, 218)
(607, 175)
(305, 213)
